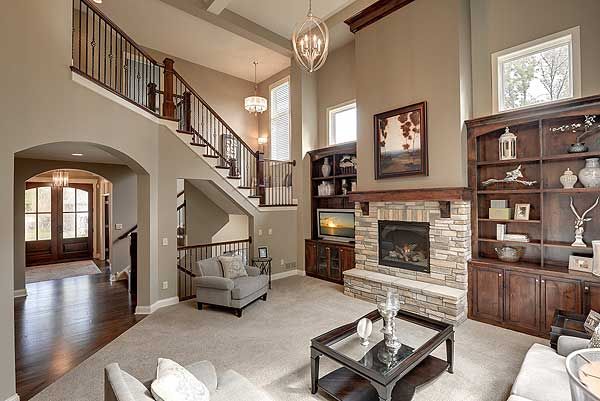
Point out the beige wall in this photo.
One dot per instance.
(236, 228)
(410, 56)
(498, 25)
(336, 84)
(203, 217)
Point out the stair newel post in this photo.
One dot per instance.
(152, 96)
(187, 111)
(260, 176)
(168, 104)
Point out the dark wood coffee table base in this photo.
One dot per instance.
(344, 385)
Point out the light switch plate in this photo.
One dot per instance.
(165, 285)
(165, 241)
(270, 231)
(260, 231)
(118, 226)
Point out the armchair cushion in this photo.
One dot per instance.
(206, 373)
(253, 271)
(209, 267)
(245, 286)
(217, 283)
(568, 344)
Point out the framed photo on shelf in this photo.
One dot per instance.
(592, 321)
(581, 263)
(263, 252)
(522, 211)
(401, 142)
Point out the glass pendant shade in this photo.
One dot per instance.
(311, 42)
(60, 179)
(255, 104)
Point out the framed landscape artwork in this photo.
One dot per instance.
(401, 142)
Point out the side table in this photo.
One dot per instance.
(567, 324)
(264, 264)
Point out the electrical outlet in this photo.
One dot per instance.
(118, 226)
(165, 285)
(260, 232)
(270, 231)
(165, 241)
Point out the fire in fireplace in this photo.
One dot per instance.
(404, 244)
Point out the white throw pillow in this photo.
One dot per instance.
(233, 267)
(175, 383)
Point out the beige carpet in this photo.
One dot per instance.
(57, 271)
(270, 346)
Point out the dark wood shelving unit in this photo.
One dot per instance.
(325, 259)
(524, 295)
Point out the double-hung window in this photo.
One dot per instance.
(342, 123)
(280, 120)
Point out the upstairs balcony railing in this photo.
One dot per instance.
(106, 55)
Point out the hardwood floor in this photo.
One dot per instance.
(62, 322)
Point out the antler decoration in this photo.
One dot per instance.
(579, 222)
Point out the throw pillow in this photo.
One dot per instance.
(175, 383)
(595, 340)
(233, 267)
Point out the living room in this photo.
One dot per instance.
(418, 184)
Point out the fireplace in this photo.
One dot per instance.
(404, 245)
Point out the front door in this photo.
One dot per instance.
(58, 223)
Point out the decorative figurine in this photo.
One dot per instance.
(344, 187)
(588, 129)
(580, 221)
(568, 179)
(508, 145)
(511, 176)
(326, 168)
(364, 330)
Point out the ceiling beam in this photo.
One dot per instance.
(217, 6)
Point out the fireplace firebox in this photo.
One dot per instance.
(404, 245)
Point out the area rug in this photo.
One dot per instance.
(57, 271)
(270, 346)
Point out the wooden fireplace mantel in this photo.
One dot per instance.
(408, 195)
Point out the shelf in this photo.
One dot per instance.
(572, 190)
(346, 175)
(566, 245)
(512, 221)
(330, 196)
(505, 162)
(331, 177)
(509, 191)
(535, 243)
(571, 156)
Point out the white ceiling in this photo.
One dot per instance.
(63, 151)
(160, 26)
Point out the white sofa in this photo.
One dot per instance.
(543, 375)
(230, 386)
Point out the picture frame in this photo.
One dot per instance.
(401, 142)
(263, 252)
(522, 211)
(581, 263)
(592, 321)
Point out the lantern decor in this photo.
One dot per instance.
(60, 179)
(508, 145)
(255, 104)
(311, 42)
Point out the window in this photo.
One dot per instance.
(38, 209)
(280, 120)
(75, 213)
(342, 123)
(545, 70)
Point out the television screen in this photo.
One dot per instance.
(336, 224)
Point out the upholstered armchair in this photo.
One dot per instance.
(213, 288)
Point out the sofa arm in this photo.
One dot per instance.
(206, 373)
(568, 344)
(217, 283)
(253, 271)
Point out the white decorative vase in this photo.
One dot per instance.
(364, 330)
(568, 179)
(326, 168)
(590, 174)
(596, 264)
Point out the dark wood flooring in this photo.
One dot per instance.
(63, 322)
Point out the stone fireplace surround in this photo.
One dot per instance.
(440, 294)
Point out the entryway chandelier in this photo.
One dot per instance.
(255, 104)
(311, 41)
(60, 179)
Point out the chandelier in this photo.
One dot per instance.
(311, 42)
(60, 179)
(255, 104)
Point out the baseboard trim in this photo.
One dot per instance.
(20, 293)
(148, 310)
(289, 273)
(13, 398)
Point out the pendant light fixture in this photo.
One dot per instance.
(311, 41)
(255, 104)
(60, 179)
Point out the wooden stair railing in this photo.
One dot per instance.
(188, 256)
(106, 55)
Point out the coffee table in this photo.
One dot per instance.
(372, 372)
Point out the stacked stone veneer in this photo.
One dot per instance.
(440, 294)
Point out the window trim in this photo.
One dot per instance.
(571, 36)
(330, 122)
(271, 87)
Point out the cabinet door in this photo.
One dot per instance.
(310, 256)
(522, 300)
(347, 258)
(323, 260)
(591, 292)
(335, 263)
(559, 293)
(488, 297)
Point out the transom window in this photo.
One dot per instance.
(38, 214)
(542, 71)
(280, 120)
(75, 213)
(342, 123)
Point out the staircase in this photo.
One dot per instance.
(107, 56)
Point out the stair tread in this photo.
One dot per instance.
(253, 196)
(234, 178)
(211, 156)
(185, 132)
(198, 144)
(222, 167)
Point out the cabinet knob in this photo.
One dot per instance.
(499, 274)
(586, 289)
(543, 281)
(537, 281)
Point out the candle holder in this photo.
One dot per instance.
(388, 310)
